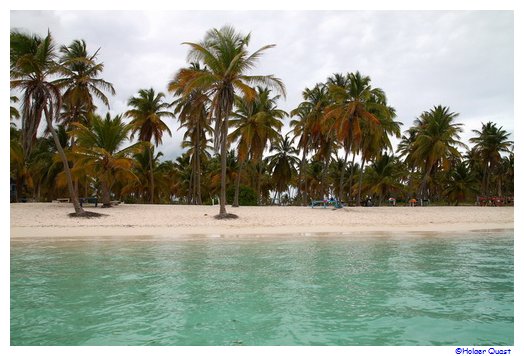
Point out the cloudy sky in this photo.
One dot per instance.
(460, 59)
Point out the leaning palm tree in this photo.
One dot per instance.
(32, 64)
(224, 55)
(147, 113)
(80, 80)
(99, 151)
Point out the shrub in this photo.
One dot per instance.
(246, 195)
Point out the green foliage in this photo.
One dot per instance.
(246, 196)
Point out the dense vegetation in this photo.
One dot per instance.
(235, 148)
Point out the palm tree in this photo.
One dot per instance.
(80, 73)
(283, 163)
(490, 142)
(256, 123)
(224, 55)
(436, 142)
(193, 114)
(98, 150)
(147, 113)
(460, 184)
(182, 173)
(314, 172)
(507, 173)
(32, 63)
(382, 177)
(405, 151)
(215, 171)
(356, 103)
(18, 169)
(142, 169)
(80, 82)
(375, 138)
(307, 127)
(46, 168)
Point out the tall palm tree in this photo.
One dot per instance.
(490, 142)
(436, 143)
(224, 55)
(32, 63)
(99, 151)
(146, 119)
(80, 80)
(356, 103)
(405, 151)
(307, 127)
(193, 114)
(283, 163)
(256, 123)
(375, 140)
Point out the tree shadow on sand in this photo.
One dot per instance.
(86, 214)
(225, 216)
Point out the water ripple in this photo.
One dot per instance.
(317, 291)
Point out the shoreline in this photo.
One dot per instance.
(50, 220)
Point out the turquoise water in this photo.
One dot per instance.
(308, 290)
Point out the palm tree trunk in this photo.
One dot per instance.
(223, 163)
(67, 171)
(237, 185)
(197, 173)
(488, 178)
(259, 183)
(424, 186)
(360, 181)
(106, 198)
(484, 181)
(351, 176)
(301, 179)
(151, 176)
(324, 172)
(341, 183)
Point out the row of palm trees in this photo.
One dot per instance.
(223, 110)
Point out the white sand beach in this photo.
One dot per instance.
(51, 220)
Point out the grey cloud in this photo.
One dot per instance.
(462, 59)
